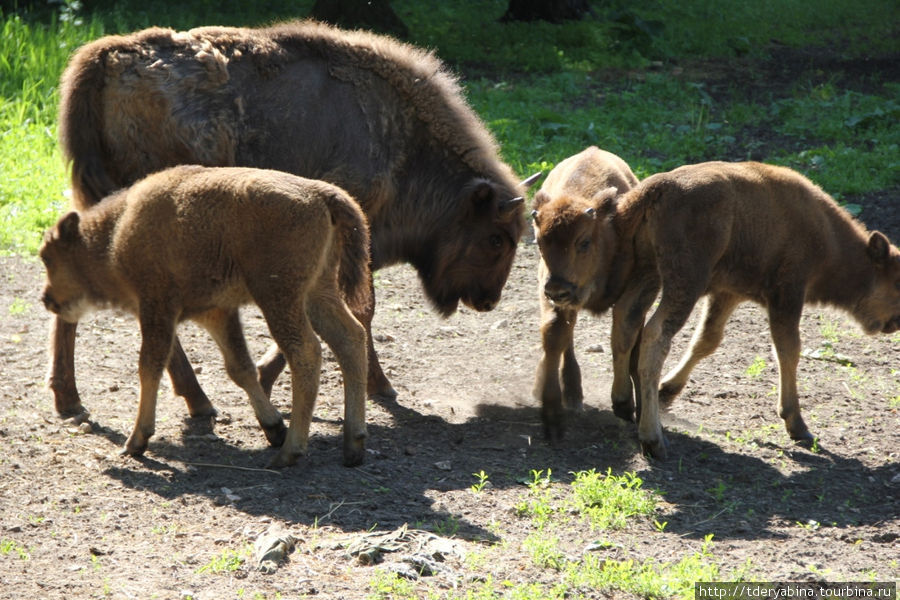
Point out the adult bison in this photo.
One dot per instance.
(384, 120)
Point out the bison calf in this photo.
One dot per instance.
(579, 245)
(736, 232)
(197, 243)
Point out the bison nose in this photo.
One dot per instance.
(559, 290)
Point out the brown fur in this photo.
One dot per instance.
(572, 220)
(197, 243)
(736, 232)
(384, 120)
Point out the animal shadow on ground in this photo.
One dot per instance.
(416, 463)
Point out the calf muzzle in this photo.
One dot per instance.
(559, 290)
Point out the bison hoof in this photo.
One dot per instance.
(75, 415)
(200, 408)
(575, 403)
(624, 410)
(657, 449)
(668, 392)
(387, 394)
(133, 447)
(284, 458)
(276, 433)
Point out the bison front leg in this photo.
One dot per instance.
(157, 338)
(61, 374)
(628, 322)
(557, 338)
(784, 323)
(377, 384)
(656, 340)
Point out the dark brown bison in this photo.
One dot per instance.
(571, 218)
(220, 238)
(382, 119)
(731, 232)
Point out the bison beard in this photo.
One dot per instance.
(384, 120)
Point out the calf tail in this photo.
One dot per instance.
(81, 123)
(354, 274)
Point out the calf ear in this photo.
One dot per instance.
(67, 227)
(879, 247)
(604, 200)
(540, 198)
(482, 194)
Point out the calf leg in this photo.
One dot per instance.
(292, 332)
(378, 385)
(718, 307)
(157, 338)
(185, 384)
(225, 328)
(784, 324)
(656, 340)
(628, 321)
(61, 374)
(557, 341)
(346, 336)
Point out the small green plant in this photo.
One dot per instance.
(544, 550)
(10, 546)
(756, 367)
(482, 478)
(609, 500)
(228, 561)
(18, 307)
(448, 527)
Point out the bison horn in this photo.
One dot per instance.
(511, 204)
(527, 183)
(591, 212)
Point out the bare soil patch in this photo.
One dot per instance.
(94, 524)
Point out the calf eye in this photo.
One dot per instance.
(584, 245)
(496, 241)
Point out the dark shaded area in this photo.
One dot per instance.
(374, 15)
(554, 11)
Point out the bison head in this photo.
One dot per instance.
(470, 258)
(879, 309)
(577, 241)
(64, 293)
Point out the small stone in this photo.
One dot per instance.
(443, 465)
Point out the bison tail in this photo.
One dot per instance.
(353, 234)
(81, 125)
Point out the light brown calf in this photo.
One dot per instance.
(736, 232)
(197, 243)
(579, 247)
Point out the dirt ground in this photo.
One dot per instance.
(79, 521)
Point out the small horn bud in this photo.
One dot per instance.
(591, 212)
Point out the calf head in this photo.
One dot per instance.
(577, 240)
(64, 293)
(469, 260)
(879, 309)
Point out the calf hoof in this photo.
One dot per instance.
(76, 415)
(134, 446)
(285, 458)
(624, 410)
(200, 407)
(275, 433)
(657, 449)
(668, 392)
(554, 424)
(354, 454)
(574, 403)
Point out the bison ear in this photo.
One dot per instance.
(540, 198)
(67, 228)
(482, 194)
(879, 248)
(604, 200)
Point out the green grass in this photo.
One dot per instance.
(546, 90)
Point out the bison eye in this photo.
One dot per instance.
(496, 241)
(584, 245)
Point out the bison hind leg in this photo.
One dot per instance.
(224, 325)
